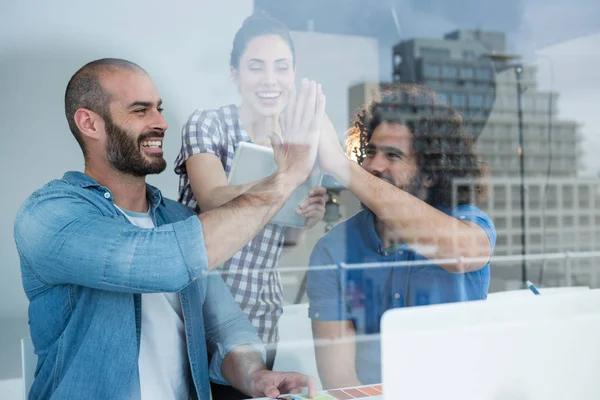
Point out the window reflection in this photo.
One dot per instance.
(361, 51)
(456, 66)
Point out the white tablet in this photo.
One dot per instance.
(252, 163)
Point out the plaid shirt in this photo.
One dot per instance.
(251, 274)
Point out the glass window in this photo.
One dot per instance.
(583, 191)
(354, 49)
(569, 237)
(476, 100)
(449, 71)
(535, 239)
(431, 70)
(500, 222)
(501, 240)
(535, 222)
(552, 238)
(516, 222)
(584, 220)
(467, 72)
(484, 73)
(551, 221)
(567, 195)
(567, 132)
(468, 55)
(584, 202)
(443, 97)
(500, 193)
(516, 240)
(585, 243)
(432, 52)
(568, 220)
(489, 101)
(459, 100)
(542, 104)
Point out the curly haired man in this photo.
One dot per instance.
(417, 240)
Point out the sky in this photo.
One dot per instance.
(561, 36)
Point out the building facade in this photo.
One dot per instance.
(560, 209)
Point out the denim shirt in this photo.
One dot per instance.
(84, 268)
(353, 278)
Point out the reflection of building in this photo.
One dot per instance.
(568, 218)
(456, 67)
(564, 219)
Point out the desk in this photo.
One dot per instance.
(371, 392)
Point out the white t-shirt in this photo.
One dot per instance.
(163, 362)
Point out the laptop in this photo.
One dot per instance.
(540, 348)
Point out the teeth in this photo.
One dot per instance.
(155, 144)
(269, 95)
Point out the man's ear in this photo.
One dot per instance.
(90, 124)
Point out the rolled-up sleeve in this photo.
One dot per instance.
(475, 215)
(323, 287)
(226, 326)
(64, 239)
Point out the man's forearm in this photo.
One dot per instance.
(416, 222)
(239, 365)
(228, 228)
(222, 195)
(335, 353)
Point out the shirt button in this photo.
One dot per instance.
(317, 315)
(107, 195)
(396, 296)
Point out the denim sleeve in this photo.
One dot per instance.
(325, 301)
(475, 215)
(65, 239)
(226, 326)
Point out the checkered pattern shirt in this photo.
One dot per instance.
(251, 274)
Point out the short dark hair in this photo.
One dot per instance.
(443, 148)
(256, 25)
(84, 90)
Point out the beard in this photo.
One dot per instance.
(413, 188)
(123, 152)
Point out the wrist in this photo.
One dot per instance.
(252, 376)
(287, 180)
(338, 167)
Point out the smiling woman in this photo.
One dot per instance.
(263, 69)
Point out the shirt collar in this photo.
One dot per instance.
(82, 180)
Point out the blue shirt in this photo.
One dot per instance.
(357, 287)
(84, 268)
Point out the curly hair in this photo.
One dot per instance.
(443, 149)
